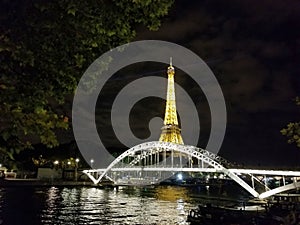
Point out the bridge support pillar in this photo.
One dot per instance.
(266, 184)
(172, 158)
(180, 160)
(252, 181)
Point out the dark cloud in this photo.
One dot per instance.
(254, 50)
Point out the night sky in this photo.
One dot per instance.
(253, 48)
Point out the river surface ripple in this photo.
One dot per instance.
(160, 205)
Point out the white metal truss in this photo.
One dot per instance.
(215, 164)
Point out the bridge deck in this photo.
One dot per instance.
(208, 170)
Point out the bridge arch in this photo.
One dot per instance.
(192, 151)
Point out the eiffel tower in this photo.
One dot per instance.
(170, 132)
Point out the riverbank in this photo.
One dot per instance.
(39, 182)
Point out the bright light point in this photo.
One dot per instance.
(92, 160)
(56, 162)
(69, 163)
(179, 176)
(0, 165)
(77, 160)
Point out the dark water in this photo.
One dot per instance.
(87, 205)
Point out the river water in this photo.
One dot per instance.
(160, 205)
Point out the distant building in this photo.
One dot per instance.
(48, 173)
(5, 174)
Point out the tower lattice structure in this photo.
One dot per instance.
(171, 131)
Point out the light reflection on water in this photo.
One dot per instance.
(162, 205)
(85, 205)
(126, 206)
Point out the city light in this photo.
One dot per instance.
(56, 162)
(76, 168)
(92, 161)
(179, 176)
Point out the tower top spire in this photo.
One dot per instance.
(171, 70)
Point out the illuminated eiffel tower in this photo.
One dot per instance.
(170, 130)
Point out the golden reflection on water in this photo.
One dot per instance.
(171, 193)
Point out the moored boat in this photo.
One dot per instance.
(233, 214)
(268, 214)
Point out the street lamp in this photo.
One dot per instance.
(56, 162)
(92, 161)
(76, 169)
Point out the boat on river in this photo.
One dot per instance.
(274, 214)
(233, 214)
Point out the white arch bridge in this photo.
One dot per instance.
(152, 162)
